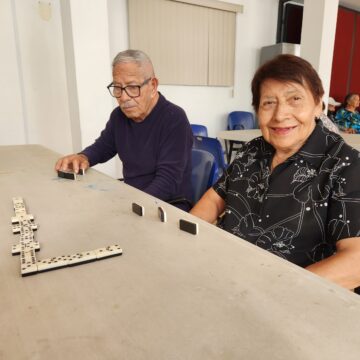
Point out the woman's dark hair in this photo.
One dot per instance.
(287, 68)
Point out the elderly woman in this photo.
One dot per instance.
(347, 118)
(294, 191)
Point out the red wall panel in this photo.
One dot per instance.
(355, 68)
(342, 53)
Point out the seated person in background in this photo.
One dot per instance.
(151, 135)
(347, 118)
(294, 191)
(327, 122)
(332, 105)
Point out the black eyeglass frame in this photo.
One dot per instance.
(112, 86)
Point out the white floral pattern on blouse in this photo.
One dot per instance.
(301, 209)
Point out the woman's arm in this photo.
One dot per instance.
(343, 267)
(209, 207)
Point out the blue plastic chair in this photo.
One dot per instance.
(214, 147)
(204, 172)
(199, 130)
(239, 120)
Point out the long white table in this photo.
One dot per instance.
(171, 295)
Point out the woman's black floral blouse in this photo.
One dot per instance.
(301, 209)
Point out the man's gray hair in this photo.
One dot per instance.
(131, 56)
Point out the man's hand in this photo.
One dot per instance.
(72, 162)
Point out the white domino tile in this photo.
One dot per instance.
(16, 229)
(16, 249)
(52, 263)
(28, 256)
(28, 262)
(28, 269)
(17, 219)
(108, 251)
(81, 258)
(162, 214)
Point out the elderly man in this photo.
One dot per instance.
(151, 136)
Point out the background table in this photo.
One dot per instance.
(247, 135)
(231, 136)
(352, 139)
(239, 135)
(171, 295)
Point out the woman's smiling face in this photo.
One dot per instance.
(286, 114)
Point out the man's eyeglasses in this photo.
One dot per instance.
(132, 91)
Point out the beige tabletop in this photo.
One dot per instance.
(352, 139)
(247, 135)
(239, 135)
(171, 295)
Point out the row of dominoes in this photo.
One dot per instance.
(62, 261)
(184, 225)
(23, 224)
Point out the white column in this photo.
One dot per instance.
(13, 121)
(88, 61)
(318, 36)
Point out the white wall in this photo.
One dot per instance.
(41, 61)
(318, 37)
(88, 44)
(11, 109)
(209, 106)
(256, 27)
(65, 65)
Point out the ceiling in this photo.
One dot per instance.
(352, 4)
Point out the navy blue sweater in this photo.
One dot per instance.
(156, 153)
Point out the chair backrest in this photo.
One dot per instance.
(214, 147)
(241, 120)
(203, 172)
(199, 130)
